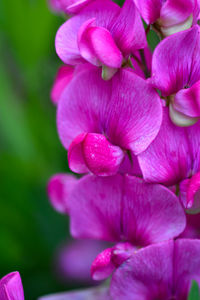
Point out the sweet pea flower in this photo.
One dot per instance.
(102, 34)
(176, 73)
(162, 271)
(125, 210)
(11, 287)
(68, 6)
(169, 16)
(174, 158)
(101, 122)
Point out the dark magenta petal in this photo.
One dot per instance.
(175, 62)
(128, 30)
(63, 78)
(110, 259)
(192, 229)
(190, 193)
(98, 293)
(124, 208)
(11, 287)
(59, 187)
(149, 9)
(97, 46)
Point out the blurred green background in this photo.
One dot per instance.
(30, 151)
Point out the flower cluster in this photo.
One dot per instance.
(130, 120)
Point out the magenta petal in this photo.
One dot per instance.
(128, 30)
(146, 275)
(175, 62)
(190, 192)
(99, 293)
(101, 157)
(66, 38)
(136, 120)
(187, 101)
(74, 6)
(59, 188)
(102, 266)
(161, 162)
(11, 287)
(133, 123)
(63, 78)
(124, 208)
(186, 266)
(161, 271)
(174, 12)
(76, 156)
(149, 9)
(97, 46)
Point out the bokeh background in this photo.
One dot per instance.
(30, 151)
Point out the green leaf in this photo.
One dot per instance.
(194, 291)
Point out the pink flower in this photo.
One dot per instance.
(169, 16)
(100, 122)
(162, 271)
(102, 34)
(11, 287)
(176, 73)
(68, 6)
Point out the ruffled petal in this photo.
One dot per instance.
(74, 6)
(124, 208)
(97, 46)
(58, 189)
(128, 30)
(67, 36)
(132, 125)
(11, 287)
(149, 9)
(63, 78)
(175, 62)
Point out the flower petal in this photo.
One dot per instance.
(174, 12)
(149, 9)
(175, 62)
(97, 46)
(11, 287)
(168, 159)
(74, 6)
(63, 77)
(148, 274)
(124, 208)
(190, 193)
(66, 38)
(128, 30)
(59, 187)
(125, 109)
(187, 101)
(102, 266)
